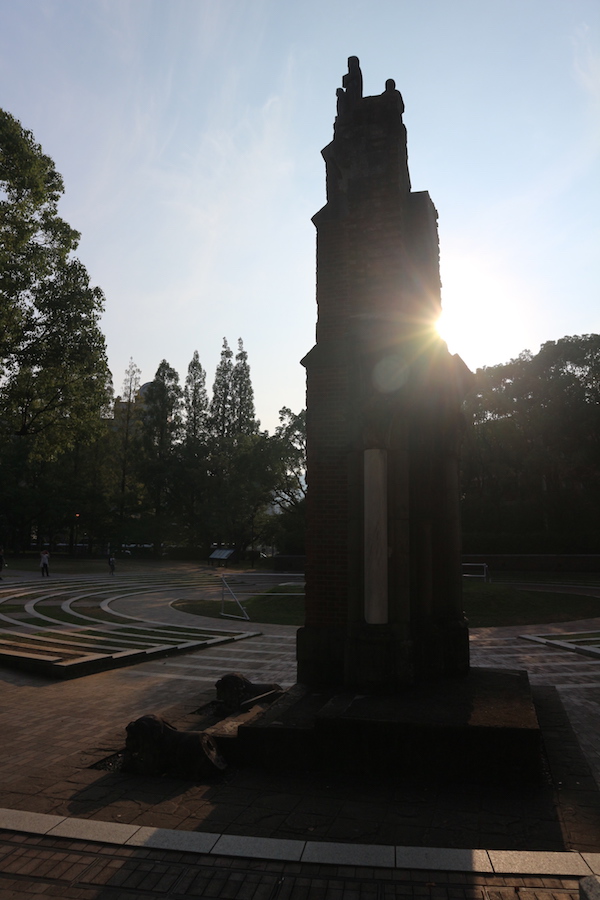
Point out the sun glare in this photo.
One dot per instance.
(482, 313)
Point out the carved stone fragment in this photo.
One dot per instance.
(234, 689)
(154, 747)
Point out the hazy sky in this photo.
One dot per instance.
(189, 132)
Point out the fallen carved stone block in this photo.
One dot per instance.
(154, 747)
(234, 689)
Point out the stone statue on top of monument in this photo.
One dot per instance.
(353, 84)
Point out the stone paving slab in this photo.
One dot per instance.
(349, 854)
(593, 861)
(447, 859)
(32, 822)
(169, 839)
(92, 830)
(259, 848)
(530, 863)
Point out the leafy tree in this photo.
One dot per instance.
(286, 528)
(258, 486)
(531, 473)
(33, 239)
(55, 378)
(243, 472)
(290, 436)
(76, 495)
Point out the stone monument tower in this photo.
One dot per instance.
(383, 579)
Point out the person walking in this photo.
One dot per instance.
(111, 565)
(2, 563)
(45, 563)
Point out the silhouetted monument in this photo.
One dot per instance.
(384, 628)
(383, 578)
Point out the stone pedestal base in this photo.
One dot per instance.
(482, 726)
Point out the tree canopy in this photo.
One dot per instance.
(200, 473)
(54, 378)
(531, 460)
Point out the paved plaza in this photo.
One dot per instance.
(72, 830)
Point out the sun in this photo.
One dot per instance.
(482, 316)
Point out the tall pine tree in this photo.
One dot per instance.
(242, 395)
(160, 432)
(195, 401)
(221, 403)
(191, 477)
(126, 421)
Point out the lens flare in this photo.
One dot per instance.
(484, 312)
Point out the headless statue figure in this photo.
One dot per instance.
(353, 83)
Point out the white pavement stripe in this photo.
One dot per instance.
(138, 673)
(199, 662)
(202, 661)
(205, 680)
(231, 651)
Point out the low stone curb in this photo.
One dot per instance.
(493, 862)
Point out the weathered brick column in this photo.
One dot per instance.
(383, 580)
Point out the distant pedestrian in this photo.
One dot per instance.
(45, 563)
(2, 563)
(111, 565)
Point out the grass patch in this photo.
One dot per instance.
(261, 608)
(268, 608)
(591, 579)
(210, 608)
(60, 616)
(276, 610)
(489, 605)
